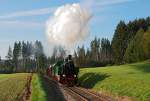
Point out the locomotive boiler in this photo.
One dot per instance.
(64, 71)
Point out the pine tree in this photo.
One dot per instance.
(9, 54)
(24, 54)
(95, 44)
(38, 54)
(38, 49)
(16, 54)
(119, 42)
(146, 43)
(88, 57)
(30, 49)
(106, 52)
(135, 50)
(41, 62)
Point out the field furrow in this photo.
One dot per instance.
(12, 85)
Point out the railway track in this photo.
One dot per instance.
(76, 96)
(80, 94)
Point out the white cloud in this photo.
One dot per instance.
(19, 24)
(34, 12)
(102, 3)
(112, 2)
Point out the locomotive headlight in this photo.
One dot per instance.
(75, 76)
(64, 75)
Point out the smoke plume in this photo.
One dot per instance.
(68, 25)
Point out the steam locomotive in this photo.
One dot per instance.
(64, 71)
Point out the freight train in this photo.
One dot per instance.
(64, 71)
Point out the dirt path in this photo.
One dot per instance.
(26, 93)
(52, 90)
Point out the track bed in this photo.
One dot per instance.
(82, 94)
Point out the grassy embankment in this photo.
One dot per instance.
(11, 85)
(132, 80)
(38, 93)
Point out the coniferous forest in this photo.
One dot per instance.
(130, 43)
(24, 57)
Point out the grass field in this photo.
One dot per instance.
(131, 80)
(11, 85)
(38, 93)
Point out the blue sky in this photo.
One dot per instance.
(25, 19)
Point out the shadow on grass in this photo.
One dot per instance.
(144, 67)
(89, 80)
(52, 90)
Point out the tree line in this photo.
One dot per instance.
(99, 53)
(25, 57)
(130, 43)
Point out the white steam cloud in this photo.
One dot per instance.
(68, 25)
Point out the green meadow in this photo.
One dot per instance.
(132, 80)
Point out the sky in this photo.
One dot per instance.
(25, 19)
